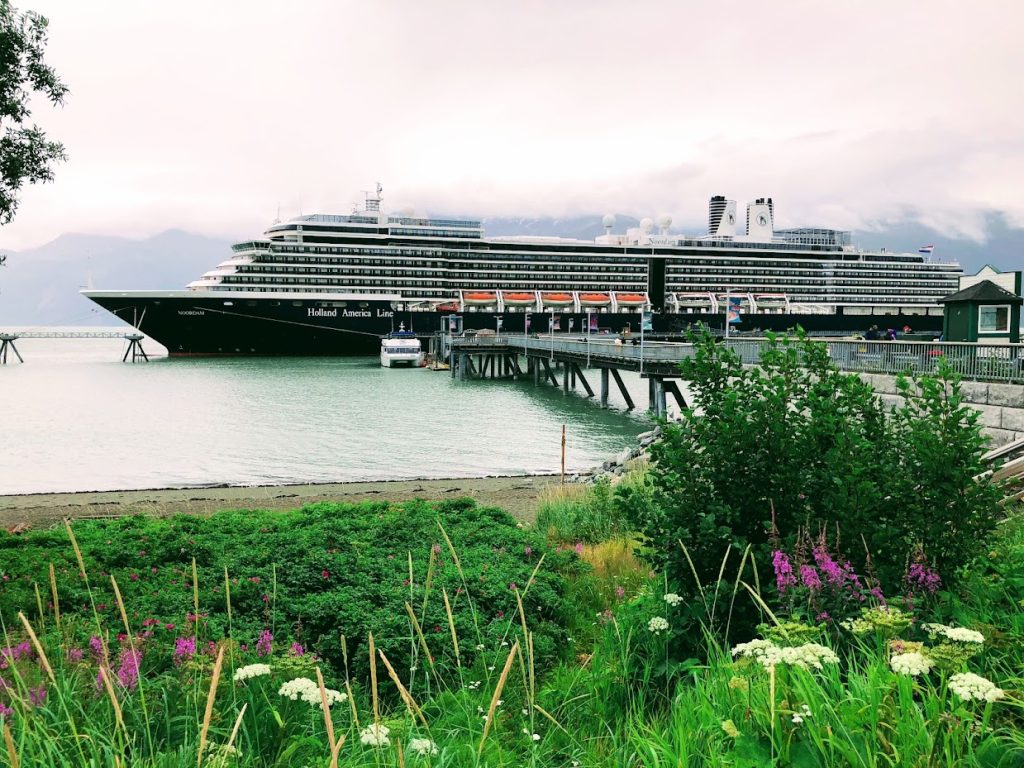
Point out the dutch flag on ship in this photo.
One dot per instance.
(926, 249)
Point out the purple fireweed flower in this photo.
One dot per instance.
(527, 550)
(128, 668)
(184, 650)
(784, 576)
(75, 655)
(834, 573)
(921, 577)
(579, 547)
(297, 649)
(37, 695)
(620, 592)
(5, 711)
(97, 648)
(265, 643)
(876, 592)
(810, 578)
(823, 616)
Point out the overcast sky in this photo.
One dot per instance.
(209, 115)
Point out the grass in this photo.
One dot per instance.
(619, 697)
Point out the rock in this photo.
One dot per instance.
(626, 455)
(646, 436)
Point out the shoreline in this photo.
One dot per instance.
(516, 494)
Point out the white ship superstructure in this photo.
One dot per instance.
(449, 263)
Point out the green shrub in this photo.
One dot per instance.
(793, 445)
(309, 576)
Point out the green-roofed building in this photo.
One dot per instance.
(983, 312)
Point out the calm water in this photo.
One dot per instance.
(77, 419)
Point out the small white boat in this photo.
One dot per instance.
(401, 348)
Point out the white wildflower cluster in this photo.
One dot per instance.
(422, 747)
(673, 599)
(956, 634)
(657, 625)
(808, 655)
(473, 685)
(375, 735)
(305, 689)
(969, 686)
(252, 670)
(798, 717)
(912, 664)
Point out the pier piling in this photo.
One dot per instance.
(7, 343)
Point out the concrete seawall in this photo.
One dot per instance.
(1001, 405)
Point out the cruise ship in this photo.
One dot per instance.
(336, 284)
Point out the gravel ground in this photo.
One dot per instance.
(517, 495)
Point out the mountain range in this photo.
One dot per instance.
(39, 286)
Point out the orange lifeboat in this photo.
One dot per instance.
(631, 299)
(451, 306)
(556, 299)
(595, 299)
(480, 297)
(517, 299)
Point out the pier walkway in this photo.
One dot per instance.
(494, 356)
(133, 338)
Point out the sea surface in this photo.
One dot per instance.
(75, 418)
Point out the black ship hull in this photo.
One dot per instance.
(246, 326)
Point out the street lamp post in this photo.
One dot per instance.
(643, 318)
(588, 338)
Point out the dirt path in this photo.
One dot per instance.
(517, 495)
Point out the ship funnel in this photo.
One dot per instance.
(760, 225)
(721, 217)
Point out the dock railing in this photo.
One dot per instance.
(981, 362)
(599, 346)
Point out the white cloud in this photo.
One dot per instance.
(207, 116)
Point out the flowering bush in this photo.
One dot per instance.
(275, 561)
(798, 437)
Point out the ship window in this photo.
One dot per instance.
(363, 305)
(296, 303)
(229, 303)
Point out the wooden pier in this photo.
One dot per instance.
(566, 362)
(566, 356)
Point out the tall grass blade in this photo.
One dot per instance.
(39, 648)
(410, 702)
(328, 722)
(12, 753)
(208, 714)
(118, 715)
(373, 682)
(451, 627)
(497, 695)
(53, 592)
(419, 634)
